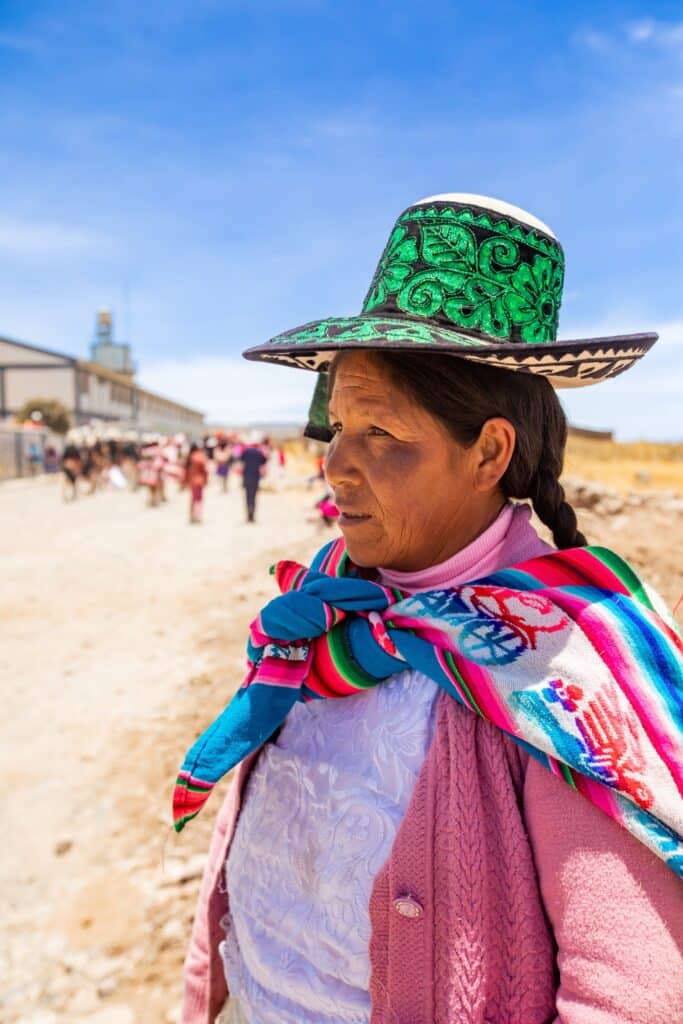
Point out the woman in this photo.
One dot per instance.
(222, 456)
(71, 467)
(394, 856)
(152, 469)
(196, 479)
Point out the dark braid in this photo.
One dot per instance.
(552, 509)
(543, 485)
(464, 395)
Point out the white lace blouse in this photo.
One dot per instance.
(321, 810)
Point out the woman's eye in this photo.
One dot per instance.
(336, 428)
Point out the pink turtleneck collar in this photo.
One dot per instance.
(509, 539)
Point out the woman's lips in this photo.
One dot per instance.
(352, 518)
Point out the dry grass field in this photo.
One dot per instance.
(638, 466)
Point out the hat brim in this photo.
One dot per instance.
(572, 363)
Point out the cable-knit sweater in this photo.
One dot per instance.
(507, 899)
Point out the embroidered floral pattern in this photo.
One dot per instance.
(535, 301)
(340, 330)
(397, 261)
(482, 219)
(470, 271)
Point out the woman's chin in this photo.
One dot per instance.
(366, 554)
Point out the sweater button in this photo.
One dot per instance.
(408, 906)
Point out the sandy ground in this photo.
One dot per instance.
(122, 636)
(122, 625)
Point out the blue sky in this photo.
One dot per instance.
(235, 166)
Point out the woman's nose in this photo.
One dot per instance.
(341, 465)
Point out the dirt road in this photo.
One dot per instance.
(118, 622)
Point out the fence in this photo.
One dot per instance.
(591, 435)
(16, 449)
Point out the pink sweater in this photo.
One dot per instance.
(528, 905)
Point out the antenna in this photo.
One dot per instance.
(126, 312)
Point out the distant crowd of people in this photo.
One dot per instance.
(154, 462)
(91, 463)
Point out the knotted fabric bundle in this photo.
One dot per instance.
(565, 653)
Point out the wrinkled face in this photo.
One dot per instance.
(405, 488)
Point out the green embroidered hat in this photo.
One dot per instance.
(472, 276)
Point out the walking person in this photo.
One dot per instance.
(196, 479)
(71, 468)
(98, 466)
(88, 468)
(130, 462)
(253, 459)
(51, 459)
(152, 473)
(35, 458)
(222, 456)
(459, 786)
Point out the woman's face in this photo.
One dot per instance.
(409, 495)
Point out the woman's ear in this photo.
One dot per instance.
(492, 452)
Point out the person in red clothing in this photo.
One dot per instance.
(196, 478)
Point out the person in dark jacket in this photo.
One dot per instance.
(253, 460)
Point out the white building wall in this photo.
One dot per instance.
(104, 398)
(22, 385)
(160, 415)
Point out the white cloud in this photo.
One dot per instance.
(641, 31)
(44, 238)
(232, 390)
(660, 33)
(592, 40)
(644, 32)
